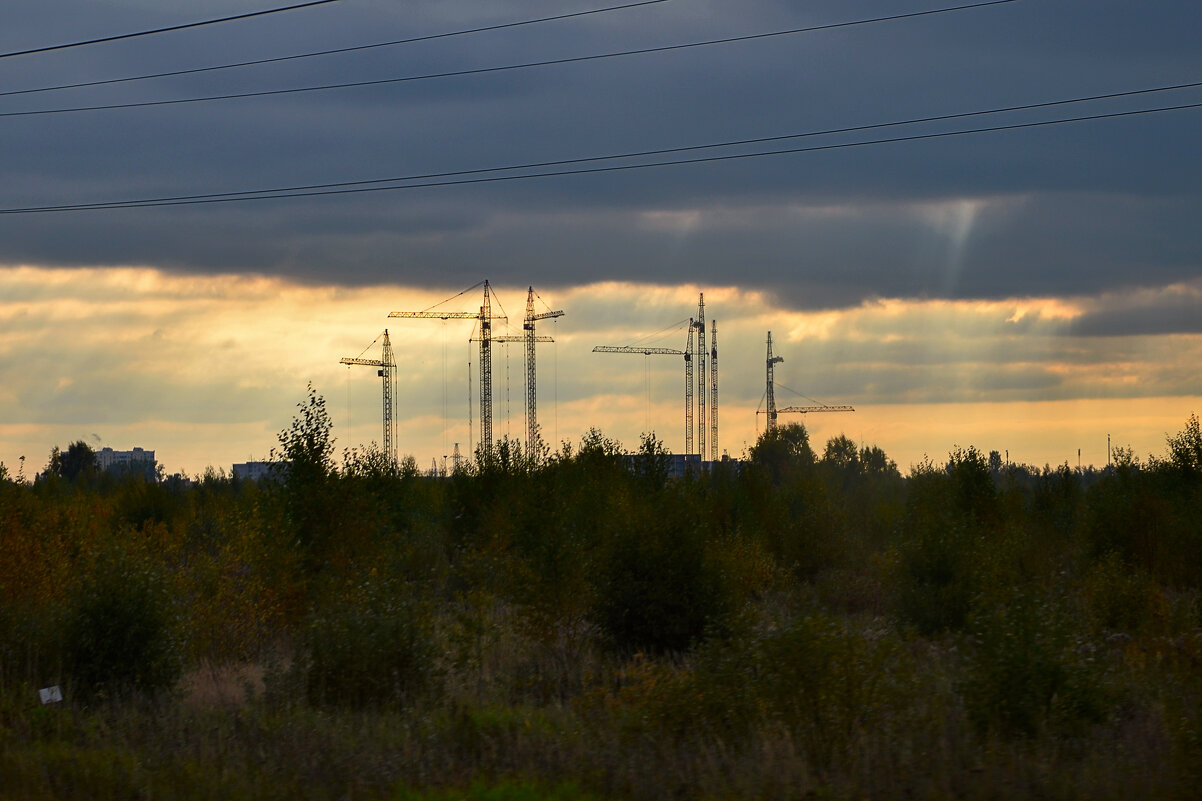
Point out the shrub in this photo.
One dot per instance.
(828, 683)
(1026, 669)
(120, 634)
(937, 579)
(950, 514)
(374, 647)
(657, 590)
(29, 644)
(1122, 598)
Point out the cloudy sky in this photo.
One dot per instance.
(1031, 288)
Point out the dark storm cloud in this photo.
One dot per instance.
(1067, 210)
(1175, 310)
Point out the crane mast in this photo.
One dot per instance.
(770, 392)
(386, 370)
(485, 318)
(532, 432)
(713, 390)
(388, 374)
(702, 377)
(688, 391)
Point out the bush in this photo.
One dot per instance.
(657, 589)
(1121, 598)
(374, 648)
(1027, 670)
(827, 683)
(29, 644)
(950, 515)
(120, 634)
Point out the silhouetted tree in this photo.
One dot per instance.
(78, 461)
(1185, 449)
(841, 453)
(782, 451)
(306, 461)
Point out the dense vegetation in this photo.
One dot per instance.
(579, 625)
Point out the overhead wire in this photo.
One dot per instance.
(369, 347)
(799, 394)
(654, 335)
(329, 52)
(641, 153)
(166, 29)
(460, 178)
(476, 285)
(500, 68)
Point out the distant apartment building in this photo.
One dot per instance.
(256, 471)
(137, 461)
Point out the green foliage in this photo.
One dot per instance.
(121, 631)
(828, 683)
(306, 459)
(30, 643)
(1185, 448)
(504, 790)
(1121, 598)
(782, 452)
(651, 463)
(1148, 515)
(803, 627)
(816, 676)
(951, 515)
(78, 462)
(372, 647)
(307, 445)
(841, 454)
(657, 590)
(1028, 668)
(69, 771)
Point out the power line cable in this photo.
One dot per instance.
(334, 51)
(168, 29)
(616, 168)
(504, 67)
(306, 190)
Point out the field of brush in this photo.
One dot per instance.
(577, 625)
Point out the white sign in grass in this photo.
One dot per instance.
(51, 695)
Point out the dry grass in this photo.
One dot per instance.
(222, 686)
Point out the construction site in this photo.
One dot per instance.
(698, 356)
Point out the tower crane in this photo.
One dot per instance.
(714, 391)
(688, 375)
(485, 318)
(702, 376)
(386, 370)
(705, 357)
(707, 381)
(770, 394)
(529, 338)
